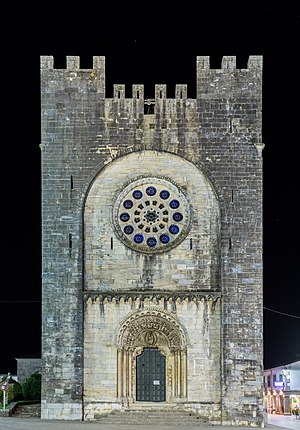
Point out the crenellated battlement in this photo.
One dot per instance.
(228, 63)
(209, 82)
(73, 63)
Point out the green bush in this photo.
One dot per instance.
(15, 393)
(31, 387)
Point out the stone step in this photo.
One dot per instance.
(158, 417)
(153, 416)
(28, 411)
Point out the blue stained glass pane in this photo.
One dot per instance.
(151, 191)
(151, 241)
(124, 217)
(164, 238)
(137, 194)
(174, 204)
(138, 238)
(177, 216)
(173, 229)
(164, 194)
(128, 204)
(128, 229)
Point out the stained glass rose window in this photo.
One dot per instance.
(151, 214)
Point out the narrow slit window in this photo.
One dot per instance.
(191, 243)
(111, 243)
(229, 243)
(70, 241)
(71, 182)
(149, 107)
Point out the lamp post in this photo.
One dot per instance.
(5, 384)
(4, 387)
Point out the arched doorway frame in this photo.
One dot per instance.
(155, 329)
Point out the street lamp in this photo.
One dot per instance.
(5, 386)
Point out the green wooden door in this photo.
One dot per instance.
(151, 376)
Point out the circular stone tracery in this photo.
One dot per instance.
(151, 215)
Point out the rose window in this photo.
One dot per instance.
(151, 215)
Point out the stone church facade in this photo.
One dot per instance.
(152, 244)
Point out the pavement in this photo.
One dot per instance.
(278, 422)
(283, 421)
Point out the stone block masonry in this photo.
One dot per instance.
(152, 241)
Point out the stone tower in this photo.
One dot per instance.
(152, 244)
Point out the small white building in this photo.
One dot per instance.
(282, 388)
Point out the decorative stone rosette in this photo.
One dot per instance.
(151, 215)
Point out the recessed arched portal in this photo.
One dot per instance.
(151, 334)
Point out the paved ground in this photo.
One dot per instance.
(278, 422)
(284, 421)
(37, 424)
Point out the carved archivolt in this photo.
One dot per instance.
(151, 328)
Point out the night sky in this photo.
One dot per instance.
(148, 46)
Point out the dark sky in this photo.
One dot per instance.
(146, 45)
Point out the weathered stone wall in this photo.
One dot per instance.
(27, 366)
(85, 135)
(201, 322)
(193, 264)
